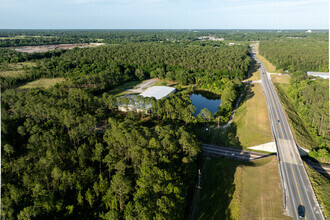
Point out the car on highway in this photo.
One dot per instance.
(301, 211)
(278, 121)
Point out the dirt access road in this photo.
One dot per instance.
(142, 86)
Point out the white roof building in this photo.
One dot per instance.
(157, 91)
(324, 75)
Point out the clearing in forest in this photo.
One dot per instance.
(42, 83)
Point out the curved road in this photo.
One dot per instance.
(297, 187)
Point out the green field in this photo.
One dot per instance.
(252, 120)
(241, 190)
(41, 83)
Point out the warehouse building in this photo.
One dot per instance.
(319, 74)
(158, 92)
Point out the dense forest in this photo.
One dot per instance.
(104, 67)
(14, 38)
(311, 100)
(309, 53)
(69, 153)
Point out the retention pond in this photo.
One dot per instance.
(204, 99)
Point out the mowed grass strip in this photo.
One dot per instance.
(42, 83)
(252, 120)
(262, 192)
(321, 186)
(241, 190)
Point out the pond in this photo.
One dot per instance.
(205, 99)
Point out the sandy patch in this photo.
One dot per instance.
(268, 147)
(44, 48)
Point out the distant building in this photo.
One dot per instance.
(324, 75)
(158, 92)
(309, 31)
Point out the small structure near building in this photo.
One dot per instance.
(324, 75)
(157, 92)
(140, 104)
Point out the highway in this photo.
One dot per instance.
(297, 187)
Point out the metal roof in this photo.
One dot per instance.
(157, 91)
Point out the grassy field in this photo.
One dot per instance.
(252, 120)
(240, 190)
(15, 70)
(41, 83)
(321, 187)
(12, 73)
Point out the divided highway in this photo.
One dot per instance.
(297, 187)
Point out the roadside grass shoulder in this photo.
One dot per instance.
(321, 186)
(252, 120)
(300, 133)
(42, 83)
(241, 190)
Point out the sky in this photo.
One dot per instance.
(164, 14)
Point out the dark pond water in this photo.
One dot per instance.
(204, 99)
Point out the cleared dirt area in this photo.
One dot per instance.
(252, 120)
(44, 48)
(280, 78)
(142, 86)
(42, 83)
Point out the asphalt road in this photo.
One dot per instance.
(244, 155)
(232, 153)
(297, 187)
